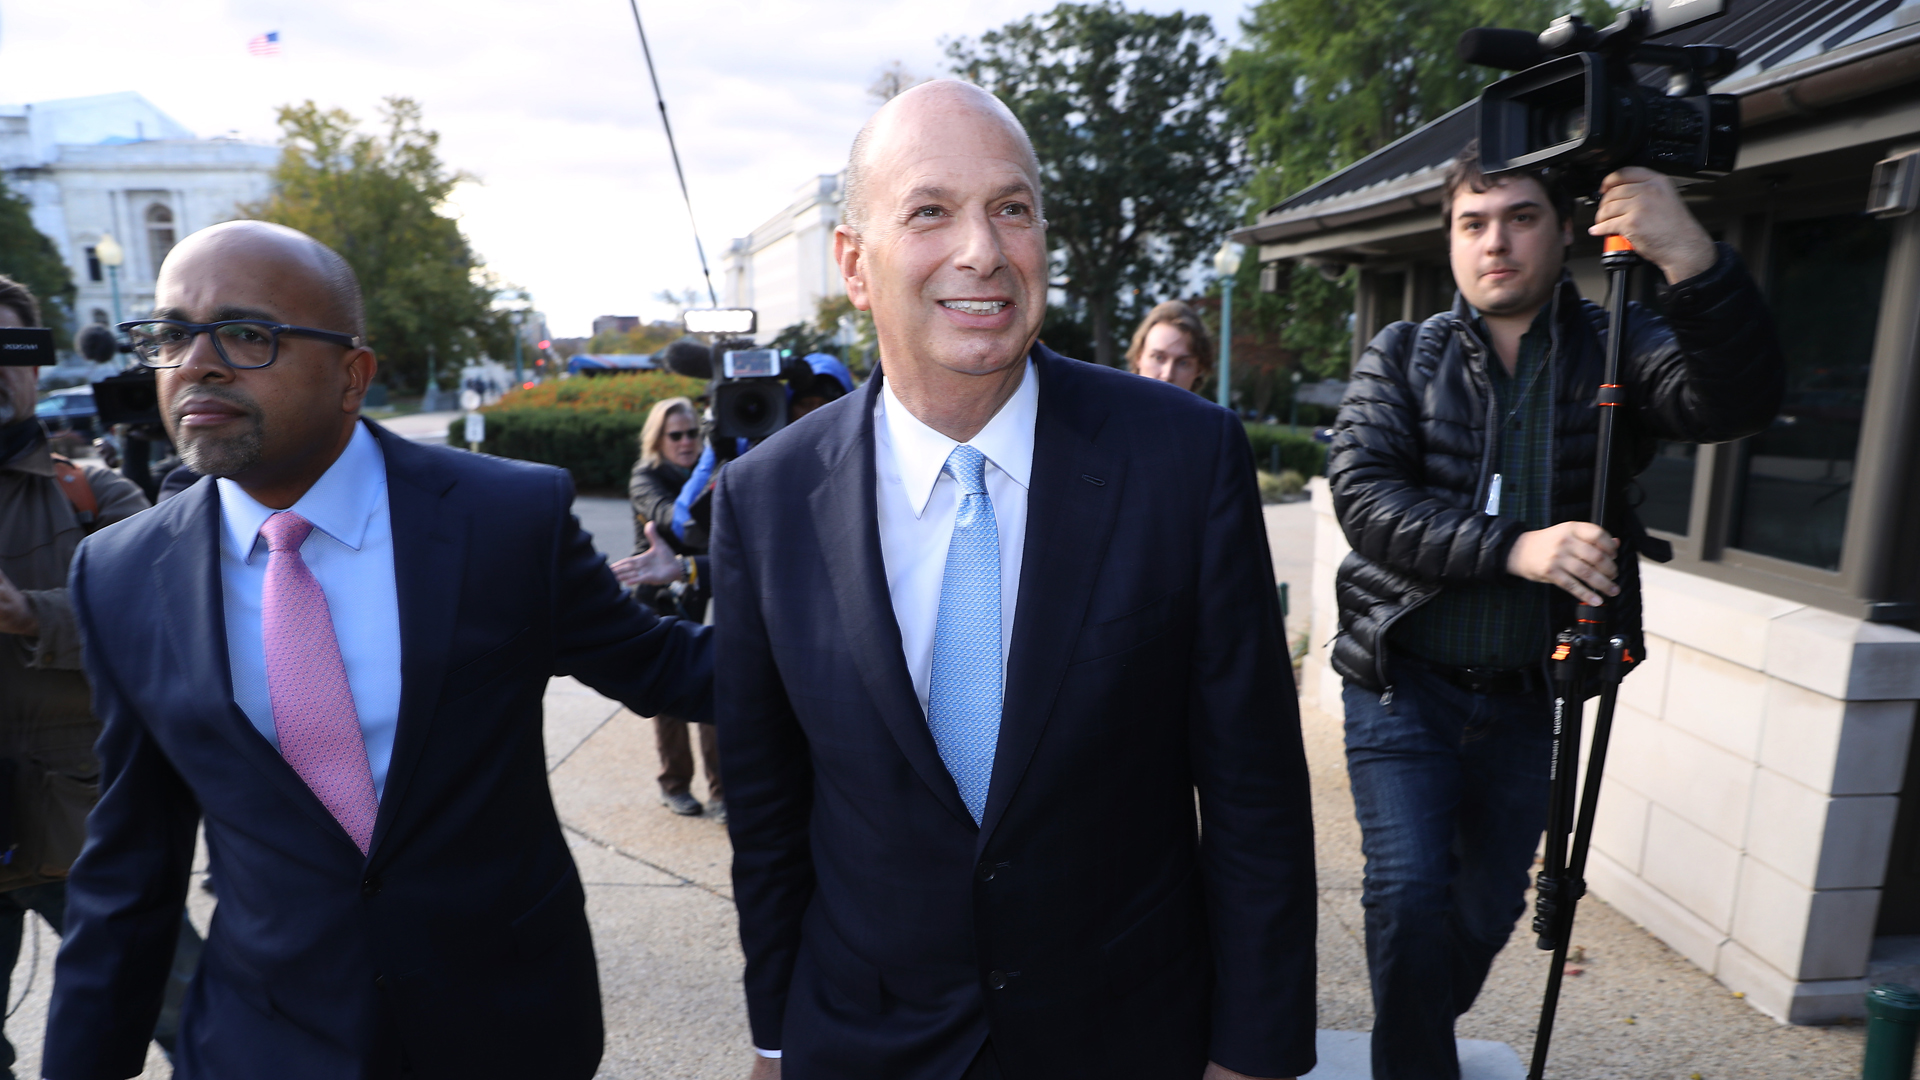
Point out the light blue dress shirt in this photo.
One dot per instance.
(350, 553)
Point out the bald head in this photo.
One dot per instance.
(325, 284)
(921, 113)
(272, 429)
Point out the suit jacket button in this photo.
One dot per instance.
(370, 888)
(985, 871)
(997, 980)
(379, 982)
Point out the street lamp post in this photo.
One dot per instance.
(111, 256)
(518, 330)
(1293, 406)
(1226, 262)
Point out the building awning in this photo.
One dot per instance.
(1801, 56)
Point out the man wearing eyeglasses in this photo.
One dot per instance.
(332, 652)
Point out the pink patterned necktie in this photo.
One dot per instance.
(313, 711)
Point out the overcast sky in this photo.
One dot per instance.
(547, 104)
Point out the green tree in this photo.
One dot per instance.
(834, 314)
(379, 199)
(802, 338)
(1319, 85)
(28, 257)
(1140, 164)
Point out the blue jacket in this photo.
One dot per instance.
(1085, 924)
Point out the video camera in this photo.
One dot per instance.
(131, 397)
(1576, 106)
(747, 397)
(29, 346)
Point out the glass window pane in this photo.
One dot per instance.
(1797, 476)
(1666, 487)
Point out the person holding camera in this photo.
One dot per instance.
(48, 772)
(669, 446)
(1461, 469)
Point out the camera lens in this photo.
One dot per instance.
(750, 411)
(1568, 125)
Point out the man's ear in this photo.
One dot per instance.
(360, 363)
(846, 253)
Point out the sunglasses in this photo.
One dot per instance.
(677, 436)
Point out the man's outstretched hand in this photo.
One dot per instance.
(656, 566)
(16, 615)
(1575, 555)
(764, 1068)
(1217, 1071)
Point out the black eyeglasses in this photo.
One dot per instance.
(242, 343)
(678, 436)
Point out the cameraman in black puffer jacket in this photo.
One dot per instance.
(1462, 471)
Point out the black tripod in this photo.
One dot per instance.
(1586, 650)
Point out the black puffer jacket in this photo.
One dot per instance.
(1411, 460)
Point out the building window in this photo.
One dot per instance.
(1666, 487)
(1796, 477)
(93, 265)
(159, 234)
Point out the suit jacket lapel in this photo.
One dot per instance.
(187, 578)
(848, 524)
(1072, 505)
(429, 551)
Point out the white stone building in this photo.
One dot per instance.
(785, 268)
(116, 164)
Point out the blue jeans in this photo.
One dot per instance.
(1450, 788)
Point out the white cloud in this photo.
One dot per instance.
(548, 105)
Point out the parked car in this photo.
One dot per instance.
(69, 418)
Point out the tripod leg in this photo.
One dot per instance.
(1551, 882)
(1550, 1007)
(1590, 790)
(1574, 883)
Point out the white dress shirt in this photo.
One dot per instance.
(350, 553)
(918, 502)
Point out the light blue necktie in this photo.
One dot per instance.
(963, 694)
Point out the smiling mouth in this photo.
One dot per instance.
(975, 307)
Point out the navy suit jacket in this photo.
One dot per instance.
(1089, 924)
(459, 946)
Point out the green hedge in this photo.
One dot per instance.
(1298, 451)
(598, 445)
(591, 429)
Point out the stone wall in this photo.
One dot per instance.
(1752, 785)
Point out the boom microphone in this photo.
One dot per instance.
(688, 357)
(1509, 50)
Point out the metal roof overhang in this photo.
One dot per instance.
(1355, 224)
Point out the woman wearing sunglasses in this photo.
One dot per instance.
(670, 445)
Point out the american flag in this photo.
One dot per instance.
(267, 44)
